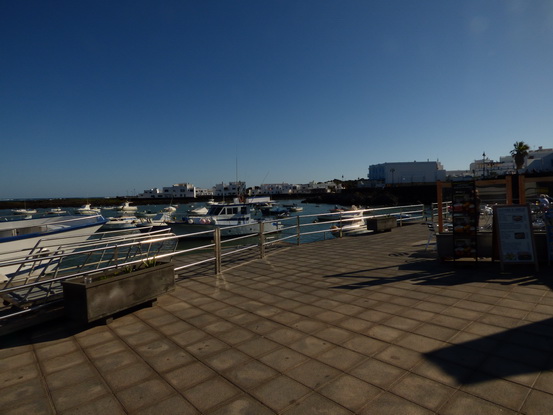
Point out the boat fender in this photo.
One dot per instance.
(190, 221)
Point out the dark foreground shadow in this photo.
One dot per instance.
(520, 352)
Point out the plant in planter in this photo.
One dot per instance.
(101, 295)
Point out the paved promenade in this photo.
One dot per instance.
(363, 325)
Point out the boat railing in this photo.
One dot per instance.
(39, 281)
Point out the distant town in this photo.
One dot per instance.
(379, 176)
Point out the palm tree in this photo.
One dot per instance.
(519, 153)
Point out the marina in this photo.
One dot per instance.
(345, 325)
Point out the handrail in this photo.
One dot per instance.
(48, 270)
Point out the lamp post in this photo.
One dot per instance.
(484, 164)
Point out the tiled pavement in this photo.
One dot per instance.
(366, 325)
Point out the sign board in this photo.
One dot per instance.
(514, 234)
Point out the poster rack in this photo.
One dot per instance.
(515, 238)
(465, 214)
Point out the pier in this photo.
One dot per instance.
(372, 324)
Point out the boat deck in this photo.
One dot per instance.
(371, 324)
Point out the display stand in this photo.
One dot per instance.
(465, 212)
(512, 227)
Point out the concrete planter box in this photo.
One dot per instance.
(383, 224)
(444, 245)
(112, 291)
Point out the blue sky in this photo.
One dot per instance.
(105, 98)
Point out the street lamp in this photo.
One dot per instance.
(484, 164)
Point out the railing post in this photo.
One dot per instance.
(298, 230)
(261, 240)
(217, 247)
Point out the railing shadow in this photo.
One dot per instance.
(431, 271)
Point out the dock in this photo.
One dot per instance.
(371, 324)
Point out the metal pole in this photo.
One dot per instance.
(217, 247)
(261, 240)
(298, 230)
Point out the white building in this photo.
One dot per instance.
(276, 189)
(406, 173)
(231, 189)
(151, 193)
(180, 190)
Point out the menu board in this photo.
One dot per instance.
(514, 234)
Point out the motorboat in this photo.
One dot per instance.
(294, 208)
(87, 210)
(26, 237)
(126, 207)
(123, 222)
(341, 213)
(277, 211)
(199, 211)
(234, 219)
(350, 227)
(23, 211)
(159, 221)
(56, 211)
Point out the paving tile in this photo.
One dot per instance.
(226, 359)
(174, 405)
(341, 358)
(280, 393)
(508, 394)
(387, 403)
(462, 403)
(128, 375)
(424, 392)
(350, 392)
(78, 394)
(70, 376)
(378, 373)
(144, 394)
(187, 376)
(63, 362)
(538, 402)
(283, 359)
(313, 374)
(243, 405)
(250, 374)
(316, 404)
(210, 393)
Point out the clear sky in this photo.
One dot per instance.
(107, 97)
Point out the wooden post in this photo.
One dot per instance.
(509, 189)
(521, 190)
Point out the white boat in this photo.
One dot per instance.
(341, 213)
(159, 221)
(126, 207)
(122, 222)
(350, 227)
(56, 211)
(170, 209)
(199, 211)
(23, 211)
(19, 238)
(234, 219)
(87, 210)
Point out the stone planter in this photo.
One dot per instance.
(113, 291)
(382, 224)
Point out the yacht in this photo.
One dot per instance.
(233, 219)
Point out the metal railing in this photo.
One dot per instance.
(39, 278)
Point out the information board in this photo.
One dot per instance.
(514, 234)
